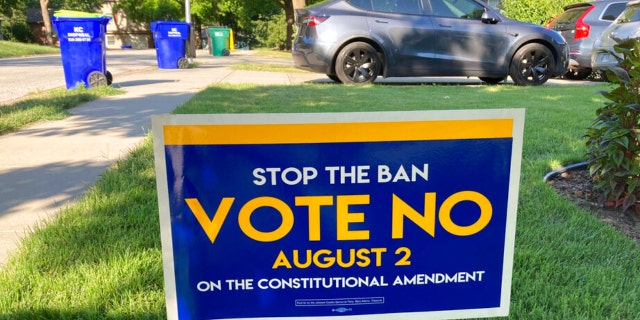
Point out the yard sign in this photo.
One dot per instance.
(386, 215)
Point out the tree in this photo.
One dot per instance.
(289, 7)
(240, 15)
(253, 9)
(147, 11)
(44, 6)
(7, 6)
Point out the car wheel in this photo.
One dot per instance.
(491, 80)
(358, 63)
(531, 65)
(580, 74)
(334, 78)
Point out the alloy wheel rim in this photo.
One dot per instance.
(359, 66)
(534, 65)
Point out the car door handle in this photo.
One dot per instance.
(444, 25)
(382, 21)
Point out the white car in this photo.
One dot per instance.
(626, 26)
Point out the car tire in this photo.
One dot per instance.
(334, 78)
(358, 63)
(491, 80)
(580, 74)
(531, 65)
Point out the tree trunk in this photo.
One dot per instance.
(289, 14)
(44, 7)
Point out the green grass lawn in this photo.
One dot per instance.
(101, 259)
(266, 67)
(269, 53)
(16, 49)
(49, 105)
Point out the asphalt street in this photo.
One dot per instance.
(21, 76)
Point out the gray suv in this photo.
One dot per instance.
(581, 24)
(355, 41)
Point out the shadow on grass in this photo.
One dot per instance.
(100, 259)
(52, 105)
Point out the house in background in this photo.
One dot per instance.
(121, 33)
(36, 26)
(124, 33)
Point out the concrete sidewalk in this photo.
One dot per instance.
(46, 166)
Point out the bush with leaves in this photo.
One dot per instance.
(17, 31)
(270, 31)
(613, 138)
(534, 11)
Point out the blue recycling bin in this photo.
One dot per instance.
(170, 39)
(82, 47)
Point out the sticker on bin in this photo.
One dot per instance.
(78, 35)
(174, 33)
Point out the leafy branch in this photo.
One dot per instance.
(613, 137)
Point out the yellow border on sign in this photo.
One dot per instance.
(231, 134)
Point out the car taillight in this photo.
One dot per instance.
(314, 21)
(582, 28)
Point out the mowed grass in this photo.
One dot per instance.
(17, 49)
(101, 258)
(266, 67)
(49, 105)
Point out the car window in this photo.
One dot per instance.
(362, 4)
(398, 6)
(465, 9)
(632, 14)
(613, 11)
(571, 16)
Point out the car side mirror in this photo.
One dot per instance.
(490, 17)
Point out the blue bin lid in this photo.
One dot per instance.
(155, 24)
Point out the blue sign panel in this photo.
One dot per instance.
(305, 216)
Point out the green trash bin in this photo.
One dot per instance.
(220, 41)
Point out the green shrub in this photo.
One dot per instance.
(17, 31)
(612, 139)
(534, 11)
(271, 32)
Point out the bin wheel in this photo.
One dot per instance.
(109, 78)
(226, 52)
(96, 79)
(183, 63)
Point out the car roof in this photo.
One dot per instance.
(591, 3)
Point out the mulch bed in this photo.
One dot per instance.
(577, 186)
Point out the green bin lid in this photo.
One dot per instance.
(76, 14)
